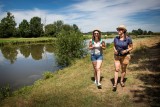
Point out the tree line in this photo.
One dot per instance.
(134, 32)
(141, 32)
(33, 28)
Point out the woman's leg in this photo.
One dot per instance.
(117, 68)
(124, 64)
(95, 70)
(123, 73)
(98, 67)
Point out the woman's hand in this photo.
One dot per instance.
(115, 52)
(124, 51)
(103, 45)
(92, 46)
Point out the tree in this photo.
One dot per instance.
(36, 27)
(144, 32)
(49, 30)
(75, 27)
(24, 30)
(140, 31)
(150, 32)
(7, 26)
(135, 32)
(58, 27)
(69, 45)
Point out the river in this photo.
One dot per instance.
(22, 65)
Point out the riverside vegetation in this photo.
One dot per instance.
(73, 86)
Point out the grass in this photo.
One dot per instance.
(73, 86)
(4, 41)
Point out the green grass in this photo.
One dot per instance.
(4, 41)
(73, 86)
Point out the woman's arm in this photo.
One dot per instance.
(90, 45)
(130, 47)
(103, 45)
(115, 51)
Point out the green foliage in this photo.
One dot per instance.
(69, 45)
(150, 33)
(24, 30)
(47, 75)
(36, 27)
(141, 32)
(58, 25)
(54, 29)
(5, 92)
(49, 30)
(7, 26)
(23, 91)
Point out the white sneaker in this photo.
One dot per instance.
(95, 82)
(99, 84)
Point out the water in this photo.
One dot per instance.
(21, 65)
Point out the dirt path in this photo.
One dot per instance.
(143, 75)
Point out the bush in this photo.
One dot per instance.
(5, 92)
(47, 75)
(69, 45)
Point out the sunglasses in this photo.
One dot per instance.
(96, 33)
(119, 29)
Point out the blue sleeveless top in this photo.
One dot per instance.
(121, 45)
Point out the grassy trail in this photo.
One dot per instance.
(74, 87)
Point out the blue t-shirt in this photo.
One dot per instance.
(121, 45)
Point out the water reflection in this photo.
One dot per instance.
(21, 65)
(10, 53)
(36, 51)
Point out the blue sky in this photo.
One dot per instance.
(104, 15)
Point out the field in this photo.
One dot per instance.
(74, 87)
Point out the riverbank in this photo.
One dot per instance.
(74, 87)
(5, 41)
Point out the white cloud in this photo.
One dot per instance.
(28, 14)
(105, 15)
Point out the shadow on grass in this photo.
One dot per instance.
(148, 60)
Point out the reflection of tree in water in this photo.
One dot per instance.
(25, 50)
(10, 53)
(36, 51)
(49, 48)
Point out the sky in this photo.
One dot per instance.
(105, 15)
